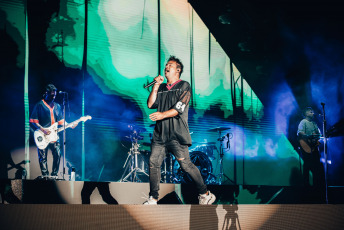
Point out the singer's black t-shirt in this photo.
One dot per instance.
(175, 97)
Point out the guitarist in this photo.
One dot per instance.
(309, 135)
(45, 113)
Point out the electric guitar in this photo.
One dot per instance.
(309, 144)
(42, 140)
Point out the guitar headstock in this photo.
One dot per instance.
(85, 118)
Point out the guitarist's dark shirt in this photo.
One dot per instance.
(44, 115)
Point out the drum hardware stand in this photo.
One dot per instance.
(132, 163)
(64, 134)
(64, 110)
(171, 169)
(165, 171)
(221, 174)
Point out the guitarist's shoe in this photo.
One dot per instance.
(42, 178)
(53, 177)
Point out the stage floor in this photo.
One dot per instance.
(273, 216)
(35, 204)
(80, 192)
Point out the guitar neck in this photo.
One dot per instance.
(69, 125)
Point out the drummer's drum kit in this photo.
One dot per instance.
(136, 166)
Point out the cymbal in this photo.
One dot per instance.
(217, 129)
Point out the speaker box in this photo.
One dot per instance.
(170, 198)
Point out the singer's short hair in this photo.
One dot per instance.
(179, 63)
(305, 110)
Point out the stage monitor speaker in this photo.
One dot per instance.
(170, 198)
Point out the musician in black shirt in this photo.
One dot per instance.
(45, 113)
(171, 130)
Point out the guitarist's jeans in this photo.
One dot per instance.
(312, 163)
(42, 157)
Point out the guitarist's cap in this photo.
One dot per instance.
(50, 88)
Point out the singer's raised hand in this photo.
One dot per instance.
(159, 79)
(153, 95)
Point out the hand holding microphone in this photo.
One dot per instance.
(157, 80)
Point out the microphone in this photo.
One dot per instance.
(322, 103)
(61, 92)
(150, 84)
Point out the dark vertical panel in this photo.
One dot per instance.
(209, 55)
(159, 39)
(233, 93)
(193, 104)
(243, 126)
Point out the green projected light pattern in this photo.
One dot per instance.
(123, 48)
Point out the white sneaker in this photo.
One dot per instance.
(151, 200)
(53, 177)
(206, 199)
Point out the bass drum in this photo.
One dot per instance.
(201, 161)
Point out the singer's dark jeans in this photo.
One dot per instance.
(179, 151)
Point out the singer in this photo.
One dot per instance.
(171, 131)
(45, 113)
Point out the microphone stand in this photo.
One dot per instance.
(64, 135)
(221, 174)
(325, 148)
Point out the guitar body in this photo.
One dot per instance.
(305, 146)
(42, 140)
(309, 146)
